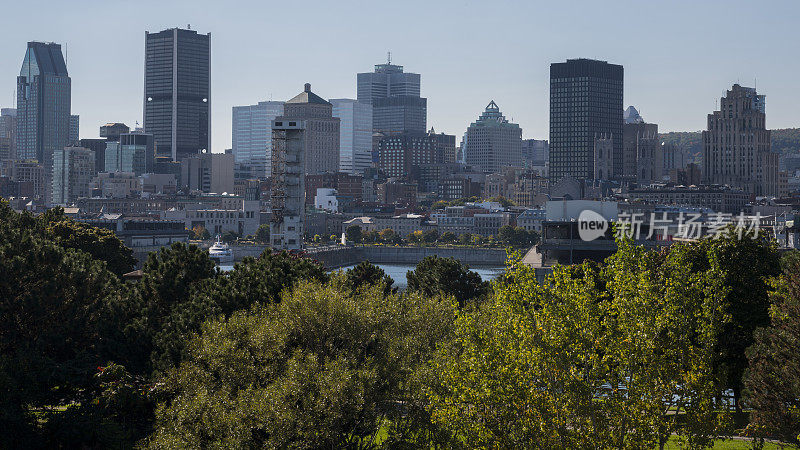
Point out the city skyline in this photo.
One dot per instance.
(666, 80)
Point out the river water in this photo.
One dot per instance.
(398, 272)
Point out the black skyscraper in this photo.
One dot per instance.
(585, 103)
(177, 80)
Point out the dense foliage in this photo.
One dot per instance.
(51, 298)
(587, 360)
(773, 378)
(365, 275)
(434, 275)
(748, 263)
(627, 353)
(324, 368)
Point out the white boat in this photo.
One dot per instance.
(220, 252)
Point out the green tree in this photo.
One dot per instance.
(476, 239)
(430, 236)
(448, 237)
(448, 276)
(504, 202)
(230, 236)
(526, 238)
(99, 243)
(199, 232)
(118, 411)
(51, 300)
(262, 234)
(366, 274)
(415, 237)
(151, 320)
(506, 235)
(465, 239)
(254, 280)
(438, 205)
(370, 237)
(324, 368)
(587, 360)
(353, 233)
(772, 381)
(388, 235)
(746, 265)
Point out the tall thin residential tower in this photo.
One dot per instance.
(585, 102)
(177, 89)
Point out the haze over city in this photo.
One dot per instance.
(678, 58)
(379, 225)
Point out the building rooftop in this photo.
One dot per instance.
(631, 115)
(308, 97)
(43, 58)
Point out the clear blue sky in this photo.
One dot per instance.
(679, 56)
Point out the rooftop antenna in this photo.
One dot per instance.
(389, 57)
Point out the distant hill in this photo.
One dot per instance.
(784, 141)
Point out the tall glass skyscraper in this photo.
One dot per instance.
(252, 135)
(177, 80)
(395, 98)
(43, 104)
(355, 135)
(585, 102)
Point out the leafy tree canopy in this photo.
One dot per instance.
(599, 357)
(321, 369)
(773, 381)
(434, 275)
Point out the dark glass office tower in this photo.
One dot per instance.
(177, 81)
(43, 104)
(395, 98)
(401, 114)
(585, 102)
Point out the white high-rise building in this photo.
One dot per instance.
(355, 134)
(252, 135)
